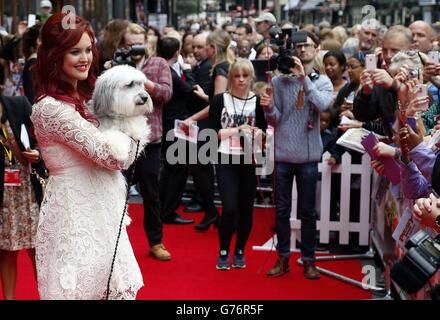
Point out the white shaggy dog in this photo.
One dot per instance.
(120, 102)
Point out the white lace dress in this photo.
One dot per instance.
(82, 208)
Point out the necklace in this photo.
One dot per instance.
(238, 119)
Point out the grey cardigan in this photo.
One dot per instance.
(294, 141)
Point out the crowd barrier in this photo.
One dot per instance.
(381, 207)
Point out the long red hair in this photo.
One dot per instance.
(56, 41)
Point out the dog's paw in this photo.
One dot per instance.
(119, 143)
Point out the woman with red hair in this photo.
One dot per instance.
(85, 194)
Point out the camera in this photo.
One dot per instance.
(419, 264)
(413, 73)
(285, 39)
(123, 56)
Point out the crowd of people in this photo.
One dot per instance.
(203, 74)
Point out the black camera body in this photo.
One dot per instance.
(123, 56)
(419, 264)
(285, 39)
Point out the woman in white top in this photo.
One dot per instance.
(85, 195)
(239, 120)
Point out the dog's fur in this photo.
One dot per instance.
(120, 102)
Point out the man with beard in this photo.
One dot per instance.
(367, 36)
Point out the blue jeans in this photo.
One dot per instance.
(306, 178)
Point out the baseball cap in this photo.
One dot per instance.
(45, 4)
(266, 16)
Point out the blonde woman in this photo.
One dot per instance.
(221, 55)
(237, 116)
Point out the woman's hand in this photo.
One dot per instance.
(346, 106)
(345, 127)
(384, 150)
(420, 104)
(331, 161)
(430, 70)
(189, 121)
(31, 155)
(409, 139)
(108, 65)
(378, 166)
(200, 93)
(265, 101)
(426, 211)
(366, 81)
(247, 129)
(348, 113)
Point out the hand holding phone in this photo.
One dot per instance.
(371, 62)
(269, 91)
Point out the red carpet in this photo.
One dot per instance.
(191, 274)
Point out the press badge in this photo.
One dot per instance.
(12, 178)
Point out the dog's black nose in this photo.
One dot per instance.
(144, 98)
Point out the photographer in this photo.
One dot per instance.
(159, 86)
(294, 110)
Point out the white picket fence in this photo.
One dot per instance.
(344, 225)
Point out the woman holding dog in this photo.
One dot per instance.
(84, 199)
(239, 120)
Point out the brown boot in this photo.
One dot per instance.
(310, 271)
(158, 251)
(281, 267)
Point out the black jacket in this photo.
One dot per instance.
(177, 107)
(202, 74)
(380, 103)
(17, 111)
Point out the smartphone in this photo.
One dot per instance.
(420, 91)
(434, 56)
(371, 62)
(349, 100)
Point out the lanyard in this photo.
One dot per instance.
(8, 151)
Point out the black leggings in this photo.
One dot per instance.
(237, 185)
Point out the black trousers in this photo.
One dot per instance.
(237, 185)
(172, 184)
(203, 176)
(147, 175)
(173, 179)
